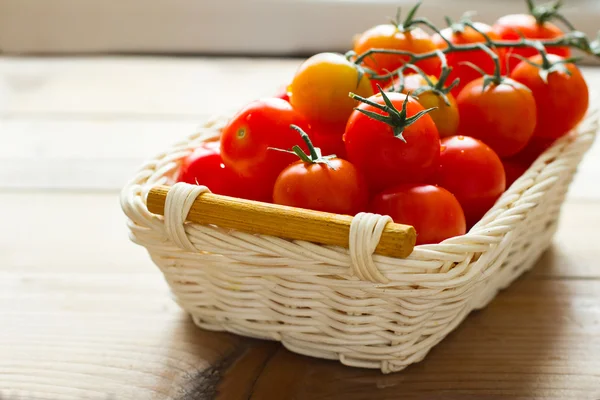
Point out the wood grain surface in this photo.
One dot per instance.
(84, 314)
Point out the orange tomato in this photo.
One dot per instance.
(389, 36)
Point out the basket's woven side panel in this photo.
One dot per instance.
(306, 295)
(534, 235)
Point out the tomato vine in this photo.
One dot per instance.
(542, 13)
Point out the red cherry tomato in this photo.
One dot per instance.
(502, 116)
(329, 138)
(433, 211)
(473, 173)
(478, 57)
(513, 170)
(533, 150)
(389, 36)
(561, 101)
(512, 27)
(385, 159)
(246, 139)
(339, 189)
(516, 165)
(204, 166)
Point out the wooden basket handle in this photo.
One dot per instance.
(285, 222)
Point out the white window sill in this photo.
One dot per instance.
(265, 27)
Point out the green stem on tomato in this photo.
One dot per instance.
(548, 11)
(546, 67)
(313, 153)
(408, 22)
(314, 156)
(497, 77)
(398, 120)
(438, 88)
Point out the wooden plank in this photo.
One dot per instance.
(85, 313)
(101, 353)
(92, 154)
(139, 87)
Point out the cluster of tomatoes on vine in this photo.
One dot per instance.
(429, 129)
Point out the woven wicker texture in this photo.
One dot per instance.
(347, 304)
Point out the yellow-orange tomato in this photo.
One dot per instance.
(445, 116)
(321, 86)
(388, 36)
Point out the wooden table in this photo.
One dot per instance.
(84, 314)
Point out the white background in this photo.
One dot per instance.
(248, 27)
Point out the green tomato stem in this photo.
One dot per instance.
(311, 148)
(398, 120)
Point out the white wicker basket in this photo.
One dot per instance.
(311, 298)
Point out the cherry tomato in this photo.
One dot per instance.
(433, 211)
(511, 27)
(503, 115)
(321, 85)
(533, 150)
(329, 138)
(516, 165)
(322, 183)
(204, 166)
(561, 101)
(246, 139)
(471, 171)
(478, 57)
(385, 159)
(445, 116)
(513, 170)
(339, 188)
(389, 36)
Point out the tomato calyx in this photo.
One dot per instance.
(547, 67)
(439, 88)
(497, 78)
(462, 24)
(394, 118)
(409, 22)
(547, 12)
(314, 156)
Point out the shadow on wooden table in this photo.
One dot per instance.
(510, 348)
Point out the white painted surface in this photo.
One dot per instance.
(275, 27)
